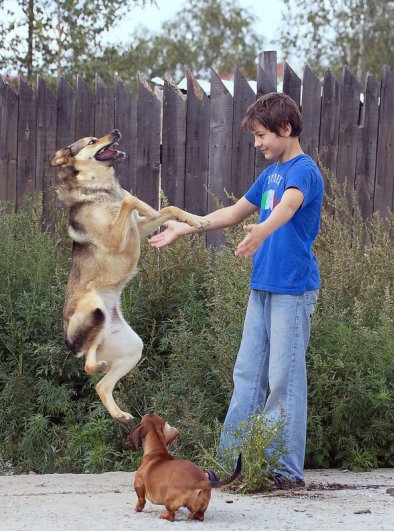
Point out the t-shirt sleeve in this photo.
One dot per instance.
(253, 195)
(305, 179)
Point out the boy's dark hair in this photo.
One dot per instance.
(273, 111)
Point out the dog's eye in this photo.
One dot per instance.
(93, 141)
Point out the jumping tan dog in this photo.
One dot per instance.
(167, 481)
(106, 224)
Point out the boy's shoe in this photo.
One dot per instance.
(284, 483)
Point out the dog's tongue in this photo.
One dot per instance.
(106, 154)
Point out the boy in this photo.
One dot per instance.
(284, 282)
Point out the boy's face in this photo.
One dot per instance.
(271, 145)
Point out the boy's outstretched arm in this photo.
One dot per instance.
(219, 219)
(291, 201)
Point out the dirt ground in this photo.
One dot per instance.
(331, 500)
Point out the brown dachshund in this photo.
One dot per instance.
(165, 480)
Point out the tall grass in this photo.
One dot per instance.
(187, 303)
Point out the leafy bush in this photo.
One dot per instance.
(187, 303)
(254, 436)
(350, 360)
(44, 394)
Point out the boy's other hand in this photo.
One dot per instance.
(173, 230)
(256, 234)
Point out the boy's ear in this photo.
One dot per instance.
(61, 157)
(136, 437)
(285, 130)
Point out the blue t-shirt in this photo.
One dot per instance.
(285, 263)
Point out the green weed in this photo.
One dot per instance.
(187, 303)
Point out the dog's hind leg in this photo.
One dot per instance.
(140, 491)
(85, 331)
(92, 366)
(106, 385)
(122, 348)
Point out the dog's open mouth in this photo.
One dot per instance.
(107, 152)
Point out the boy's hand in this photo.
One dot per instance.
(256, 234)
(173, 230)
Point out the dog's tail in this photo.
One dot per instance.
(84, 334)
(231, 479)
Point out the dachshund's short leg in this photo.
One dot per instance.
(140, 490)
(169, 515)
(199, 515)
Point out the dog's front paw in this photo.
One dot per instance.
(199, 222)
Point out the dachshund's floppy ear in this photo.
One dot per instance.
(61, 157)
(136, 437)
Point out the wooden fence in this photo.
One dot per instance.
(191, 145)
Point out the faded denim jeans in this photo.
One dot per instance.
(272, 353)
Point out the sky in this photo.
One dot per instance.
(268, 18)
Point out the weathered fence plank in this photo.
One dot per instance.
(311, 111)
(366, 153)
(267, 73)
(173, 144)
(291, 83)
(84, 110)
(27, 142)
(3, 142)
(329, 123)
(220, 149)
(197, 148)
(384, 187)
(46, 145)
(8, 142)
(243, 153)
(104, 108)
(148, 148)
(267, 81)
(348, 131)
(65, 128)
(126, 122)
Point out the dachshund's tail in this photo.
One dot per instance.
(231, 479)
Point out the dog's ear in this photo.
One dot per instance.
(61, 157)
(136, 437)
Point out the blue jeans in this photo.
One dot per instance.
(272, 352)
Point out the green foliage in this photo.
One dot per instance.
(44, 394)
(187, 303)
(203, 34)
(351, 366)
(62, 36)
(358, 33)
(66, 38)
(254, 436)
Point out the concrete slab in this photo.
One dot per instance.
(332, 500)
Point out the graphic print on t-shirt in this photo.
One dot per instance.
(269, 200)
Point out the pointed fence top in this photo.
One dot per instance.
(204, 85)
(191, 83)
(144, 83)
(169, 82)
